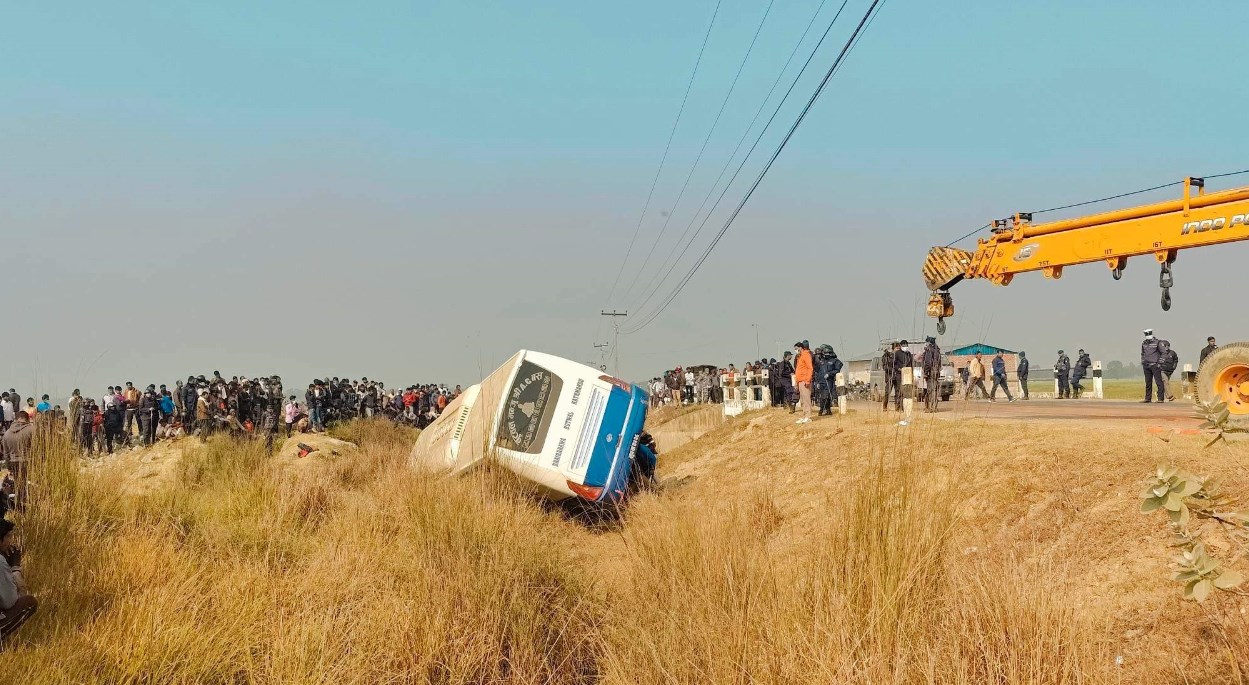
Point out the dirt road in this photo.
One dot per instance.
(1176, 414)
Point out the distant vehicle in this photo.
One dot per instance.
(877, 375)
(565, 426)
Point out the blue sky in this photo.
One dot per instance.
(412, 191)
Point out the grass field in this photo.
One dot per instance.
(849, 551)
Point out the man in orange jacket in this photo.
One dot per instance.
(804, 370)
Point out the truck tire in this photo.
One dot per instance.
(1224, 377)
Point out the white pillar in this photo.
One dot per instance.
(1189, 380)
(841, 393)
(1097, 381)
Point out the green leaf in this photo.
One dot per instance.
(1202, 590)
(1180, 518)
(1173, 502)
(1228, 580)
(1206, 424)
(1221, 406)
(1150, 504)
(1222, 416)
(1161, 491)
(1185, 576)
(1189, 487)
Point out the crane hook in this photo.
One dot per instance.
(1166, 280)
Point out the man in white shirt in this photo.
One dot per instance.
(689, 387)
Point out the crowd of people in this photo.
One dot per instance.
(125, 416)
(798, 380)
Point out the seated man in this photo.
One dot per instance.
(16, 606)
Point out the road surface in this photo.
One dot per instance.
(1178, 414)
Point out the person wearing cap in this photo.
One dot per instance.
(16, 604)
(804, 370)
(132, 396)
(1205, 351)
(1021, 372)
(1151, 365)
(1062, 371)
(1078, 372)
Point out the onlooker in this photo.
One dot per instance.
(886, 366)
(1151, 364)
(131, 395)
(1021, 371)
(15, 446)
(1205, 351)
(999, 379)
(1170, 361)
(290, 413)
(1078, 373)
(1062, 372)
(975, 377)
(804, 370)
(930, 362)
(16, 605)
(43, 406)
(901, 359)
(689, 386)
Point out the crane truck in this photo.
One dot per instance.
(1160, 230)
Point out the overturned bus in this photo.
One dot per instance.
(565, 426)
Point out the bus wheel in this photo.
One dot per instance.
(1224, 378)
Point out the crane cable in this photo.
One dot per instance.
(699, 157)
(1104, 199)
(667, 147)
(841, 56)
(745, 134)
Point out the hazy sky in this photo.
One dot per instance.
(412, 191)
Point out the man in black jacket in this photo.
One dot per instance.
(1022, 372)
(1078, 373)
(1205, 351)
(1151, 364)
(901, 359)
(886, 366)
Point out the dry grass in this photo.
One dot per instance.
(833, 556)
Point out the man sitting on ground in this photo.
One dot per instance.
(16, 606)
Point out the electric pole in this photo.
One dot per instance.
(615, 321)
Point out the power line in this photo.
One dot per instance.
(662, 160)
(745, 134)
(698, 158)
(867, 16)
(660, 282)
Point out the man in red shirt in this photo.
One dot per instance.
(804, 370)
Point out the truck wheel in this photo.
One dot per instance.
(946, 398)
(1224, 377)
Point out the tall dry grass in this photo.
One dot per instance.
(366, 572)
(879, 595)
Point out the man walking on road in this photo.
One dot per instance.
(999, 379)
(1062, 369)
(975, 375)
(930, 361)
(1022, 372)
(1170, 361)
(1151, 364)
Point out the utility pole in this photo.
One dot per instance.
(602, 356)
(758, 350)
(615, 321)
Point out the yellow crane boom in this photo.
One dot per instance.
(1161, 229)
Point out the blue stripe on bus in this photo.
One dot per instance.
(611, 458)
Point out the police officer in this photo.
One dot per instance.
(930, 361)
(886, 366)
(1078, 373)
(149, 410)
(821, 384)
(1151, 364)
(1022, 372)
(902, 359)
(1062, 369)
(834, 367)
